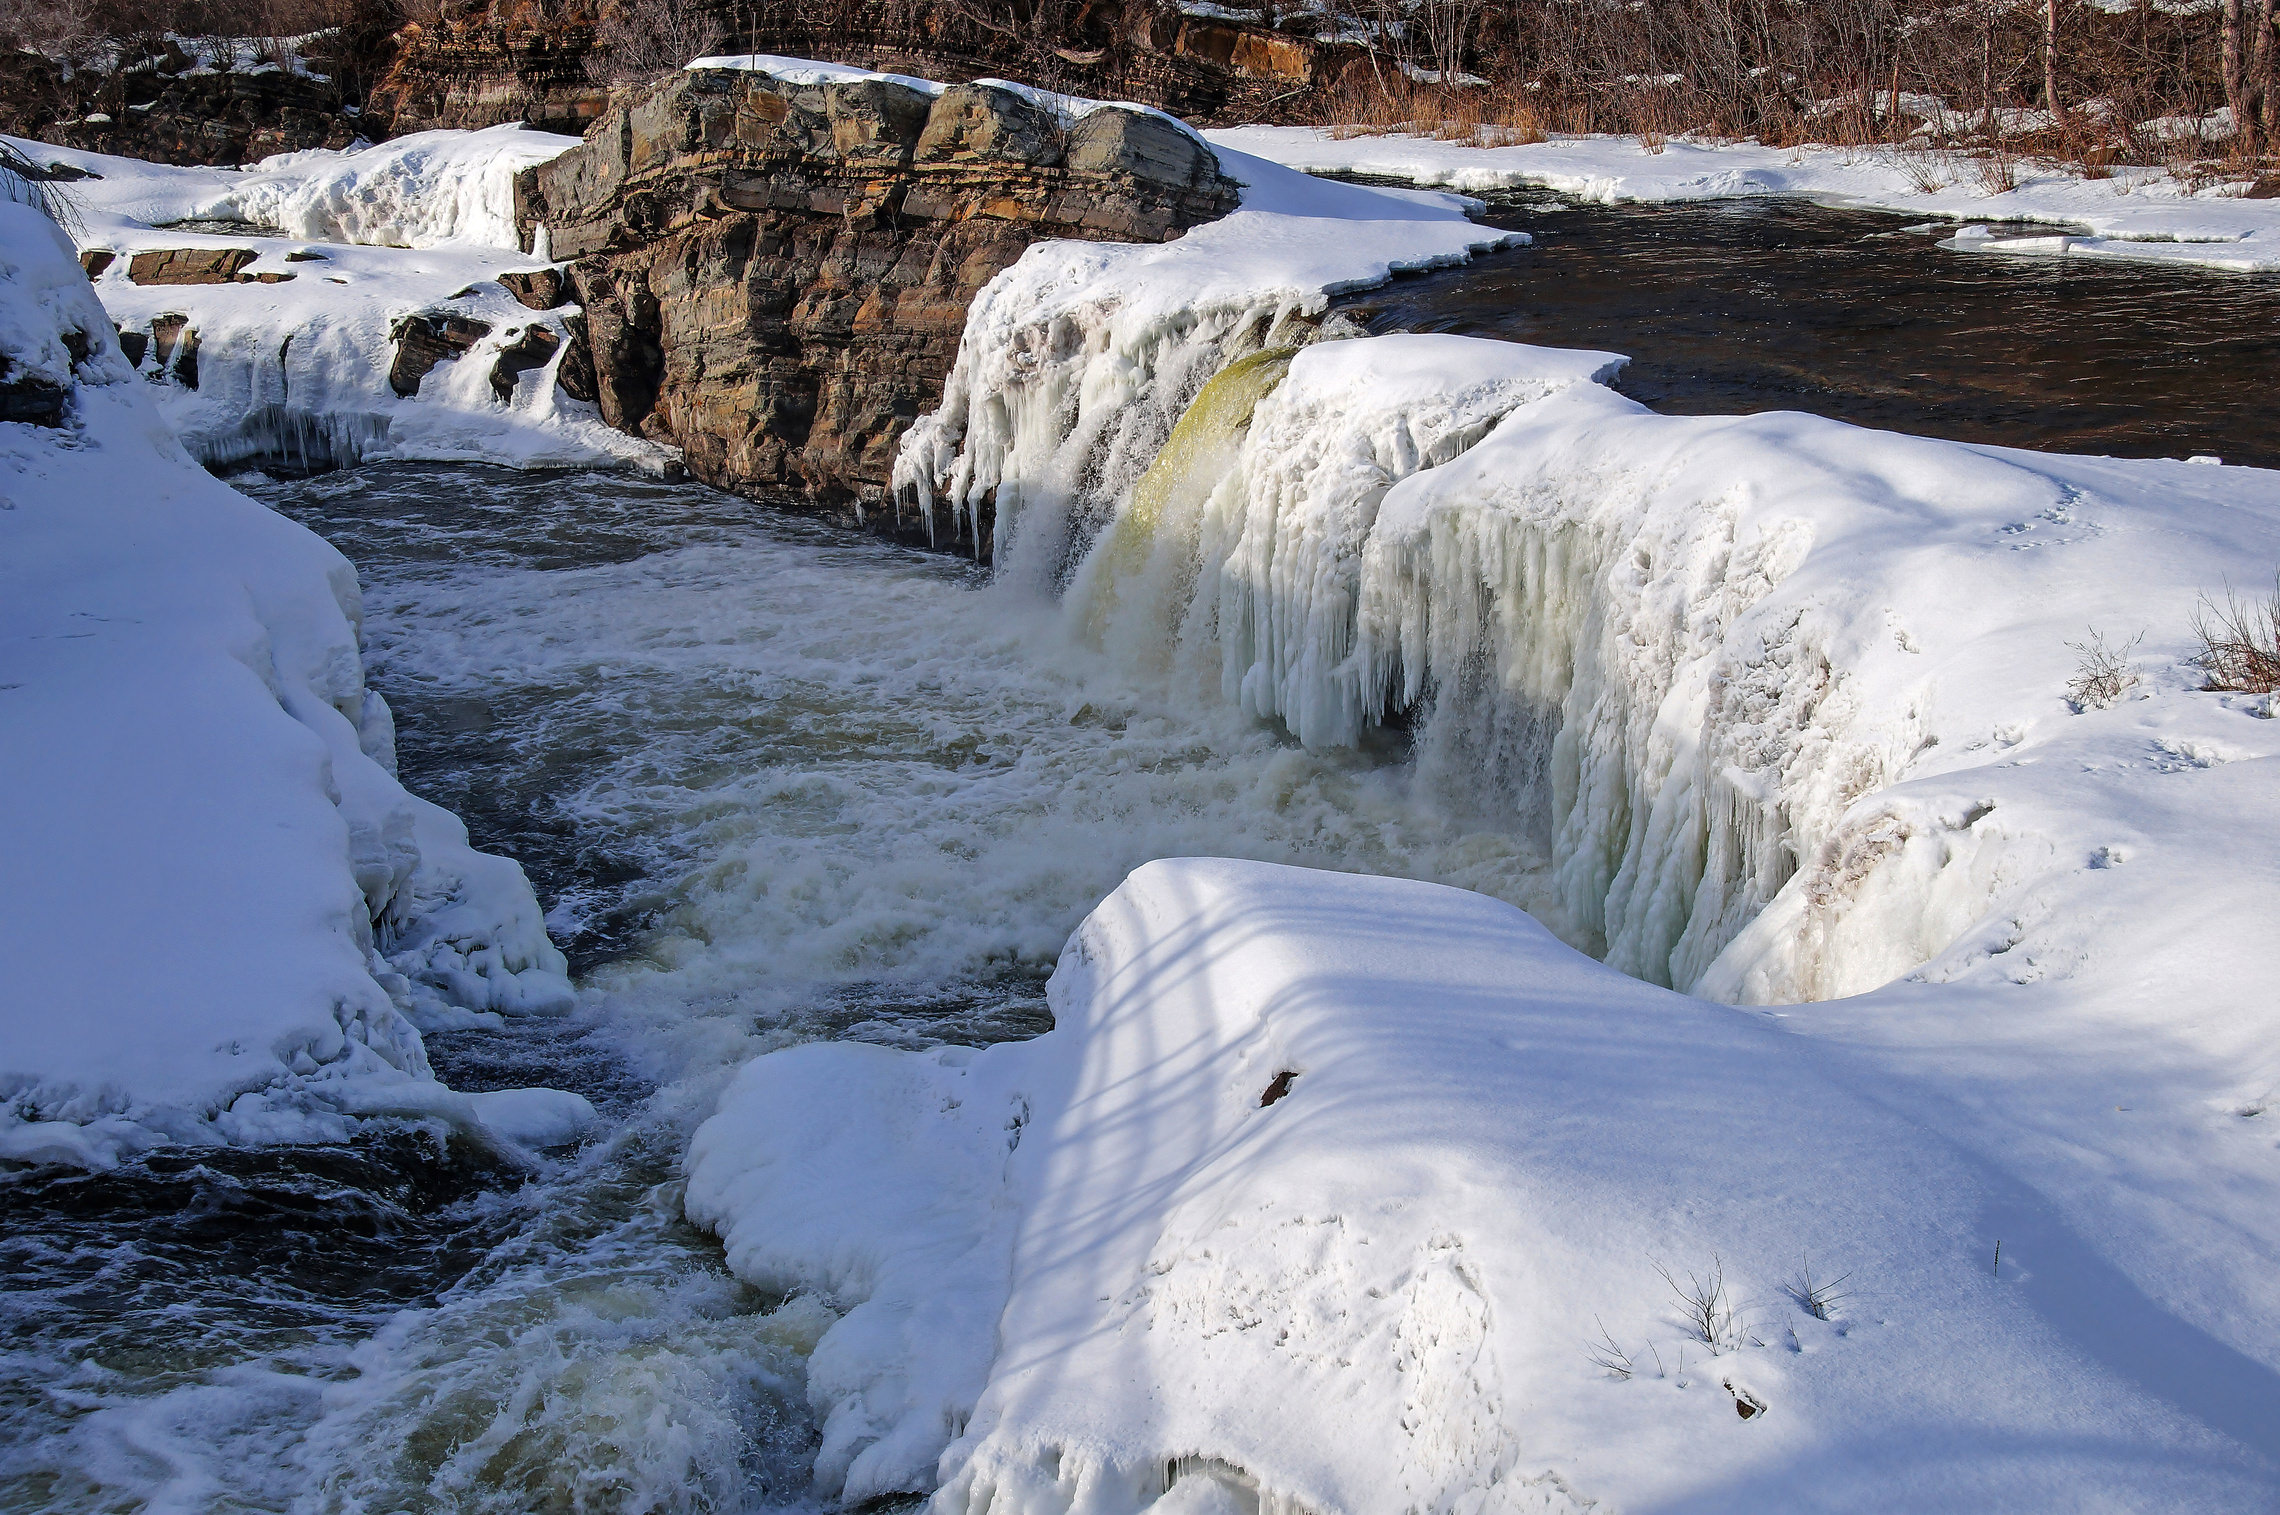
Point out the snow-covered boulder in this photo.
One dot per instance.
(1334, 1193)
(220, 914)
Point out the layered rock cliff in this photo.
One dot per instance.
(486, 62)
(774, 277)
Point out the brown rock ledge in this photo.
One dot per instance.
(774, 277)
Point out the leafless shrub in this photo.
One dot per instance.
(24, 182)
(1606, 1355)
(69, 31)
(2240, 641)
(1998, 170)
(1926, 168)
(2102, 671)
(1817, 1297)
(640, 40)
(1707, 1307)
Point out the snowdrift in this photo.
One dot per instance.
(289, 361)
(1340, 1193)
(223, 917)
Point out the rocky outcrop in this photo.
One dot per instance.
(185, 265)
(774, 277)
(484, 62)
(479, 63)
(165, 106)
(428, 337)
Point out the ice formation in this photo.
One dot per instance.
(224, 918)
(1077, 361)
(290, 362)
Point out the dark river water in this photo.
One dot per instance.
(775, 781)
(1747, 305)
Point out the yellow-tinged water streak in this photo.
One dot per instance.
(1146, 566)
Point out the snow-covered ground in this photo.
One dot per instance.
(2139, 213)
(222, 917)
(355, 240)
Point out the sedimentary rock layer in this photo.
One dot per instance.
(774, 276)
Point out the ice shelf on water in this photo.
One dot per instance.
(2135, 213)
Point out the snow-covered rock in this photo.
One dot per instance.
(222, 917)
(293, 353)
(1332, 1193)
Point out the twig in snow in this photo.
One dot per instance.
(1818, 1297)
(1605, 1354)
(1707, 1307)
(2102, 673)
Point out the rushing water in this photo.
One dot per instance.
(1745, 305)
(773, 781)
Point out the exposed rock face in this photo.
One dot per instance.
(775, 277)
(163, 108)
(483, 62)
(487, 62)
(184, 265)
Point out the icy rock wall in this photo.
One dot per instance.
(1076, 362)
(1052, 422)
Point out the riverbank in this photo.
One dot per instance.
(226, 919)
(2136, 213)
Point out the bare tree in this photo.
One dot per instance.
(640, 40)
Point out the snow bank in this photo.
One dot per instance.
(223, 917)
(430, 189)
(1076, 361)
(2138, 213)
(1339, 1193)
(297, 369)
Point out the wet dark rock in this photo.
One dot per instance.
(535, 348)
(426, 338)
(29, 398)
(539, 288)
(774, 277)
